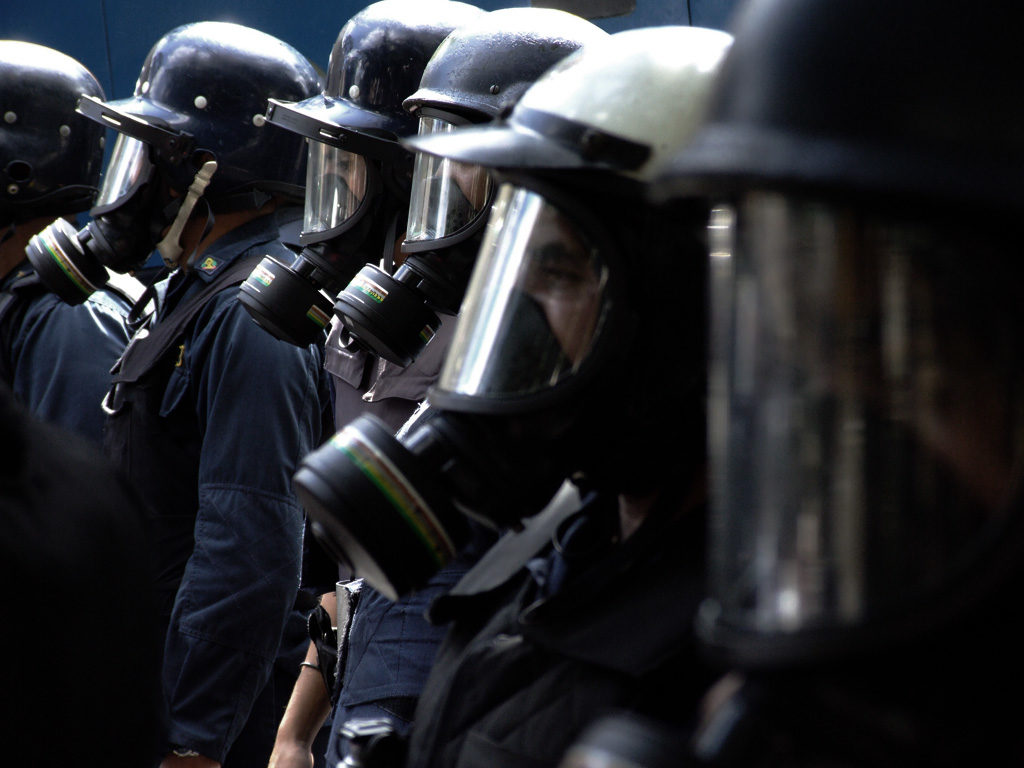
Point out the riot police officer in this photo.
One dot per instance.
(357, 196)
(206, 412)
(56, 358)
(866, 385)
(477, 72)
(563, 310)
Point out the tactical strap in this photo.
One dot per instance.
(139, 359)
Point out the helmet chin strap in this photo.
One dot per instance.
(170, 247)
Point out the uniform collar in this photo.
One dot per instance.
(604, 616)
(234, 245)
(633, 610)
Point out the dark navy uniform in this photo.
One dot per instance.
(558, 625)
(391, 645)
(56, 357)
(209, 414)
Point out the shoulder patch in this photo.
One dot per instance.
(209, 265)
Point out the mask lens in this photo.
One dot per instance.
(864, 418)
(335, 187)
(128, 168)
(534, 306)
(446, 195)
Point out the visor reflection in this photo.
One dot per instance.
(335, 187)
(129, 166)
(446, 195)
(863, 424)
(534, 304)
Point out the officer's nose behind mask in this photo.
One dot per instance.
(500, 433)
(396, 315)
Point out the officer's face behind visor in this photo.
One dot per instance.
(533, 316)
(865, 417)
(396, 315)
(132, 210)
(292, 301)
(127, 219)
(533, 308)
(446, 195)
(335, 189)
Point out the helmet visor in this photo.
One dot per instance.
(446, 195)
(864, 411)
(534, 306)
(129, 167)
(335, 187)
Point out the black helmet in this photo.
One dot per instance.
(195, 123)
(909, 102)
(376, 62)
(476, 75)
(358, 174)
(866, 427)
(481, 69)
(50, 157)
(208, 83)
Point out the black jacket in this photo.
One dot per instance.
(539, 647)
(80, 664)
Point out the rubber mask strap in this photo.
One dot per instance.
(387, 259)
(170, 247)
(207, 228)
(147, 303)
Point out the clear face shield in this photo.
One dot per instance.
(865, 413)
(336, 184)
(129, 167)
(535, 305)
(447, 196)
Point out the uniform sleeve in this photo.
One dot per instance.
(62, 357)
(259, 405)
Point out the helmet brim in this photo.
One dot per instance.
(499, 146)
(723, 160)
(149, 110)
(533, 139)
(343, 124)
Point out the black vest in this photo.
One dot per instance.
(160, 451)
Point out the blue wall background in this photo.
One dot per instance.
(112, 37)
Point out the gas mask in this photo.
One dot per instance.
(396, 315)
(358, 172)
(865, 427)
(514, 412)
(353, 202)
(344, 208)
(132, 211)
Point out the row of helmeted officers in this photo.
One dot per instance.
(517, 394)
